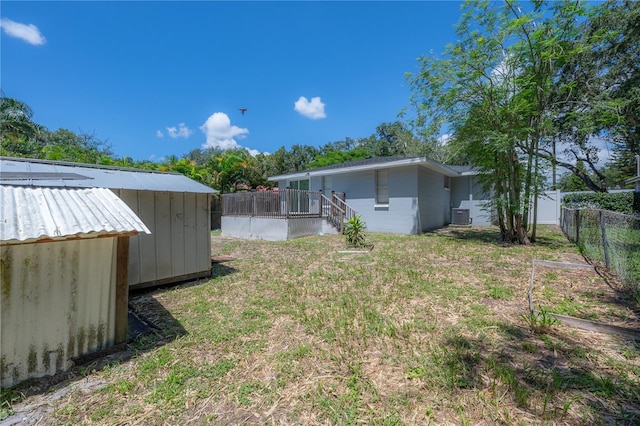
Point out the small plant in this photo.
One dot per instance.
(540, 321)
(8, 397)
(354, 232)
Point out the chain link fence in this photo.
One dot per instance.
(608, 238)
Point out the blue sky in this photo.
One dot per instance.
(162, 78)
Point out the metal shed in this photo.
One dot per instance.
(63, 269)
(176, 209)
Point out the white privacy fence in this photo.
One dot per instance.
(550, 205)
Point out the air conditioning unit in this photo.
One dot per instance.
(459, 216)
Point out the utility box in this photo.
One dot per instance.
(460, 216)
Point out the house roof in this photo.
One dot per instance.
(36, 213)
(31, 172)
(373, 164)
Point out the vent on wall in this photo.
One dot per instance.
(460, 216)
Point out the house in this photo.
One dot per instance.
(63, 274)
(392, 195)
(399, 195)
(175, 208)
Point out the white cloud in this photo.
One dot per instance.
(444, 139)
(159, 134)
(220, 133)
(181, 131)
(29, 33)
(313, 109)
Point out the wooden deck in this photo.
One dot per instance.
(289, 203)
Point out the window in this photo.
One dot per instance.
(299, 184)
(447, 182)
(299, 201)
(382, 187)
(327, 185)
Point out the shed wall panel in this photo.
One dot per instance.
(163, 234)
(147, 212)
(130, 197)
(203, 232)
(190, 233)
(58, 302)
(177, 234)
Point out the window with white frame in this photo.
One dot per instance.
(382, 187)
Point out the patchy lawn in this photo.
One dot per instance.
(431, 328)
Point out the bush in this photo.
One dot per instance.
(621, 202)
(354, 232)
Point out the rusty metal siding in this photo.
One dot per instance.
(57, 302)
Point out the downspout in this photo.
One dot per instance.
(470, 200)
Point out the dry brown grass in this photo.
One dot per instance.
(422, 329)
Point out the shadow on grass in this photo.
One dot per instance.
(219, 270)
(491, 235)
(546, 374)
(150, 326)
(485, 235)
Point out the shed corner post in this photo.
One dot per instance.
(122, 290)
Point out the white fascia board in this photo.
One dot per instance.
(421, 161)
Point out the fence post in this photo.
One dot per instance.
(604, 240)
(287, 202)
(578, 227)
(254, 207)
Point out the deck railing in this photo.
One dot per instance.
(289, 203)
(276, 204)
(336, 211)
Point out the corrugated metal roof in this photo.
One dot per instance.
(34, 213)
(30, 172)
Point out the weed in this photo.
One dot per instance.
(500, 292)
(539, 321)
(8, 397)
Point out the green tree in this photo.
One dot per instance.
(20, 136)
(598, 94)
(330, 157)
(234, 167)
(570, 182)
(66, 145)
(493, 90)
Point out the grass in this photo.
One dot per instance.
(422, 329)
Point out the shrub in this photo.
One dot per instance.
(354, 232)
(621, 202)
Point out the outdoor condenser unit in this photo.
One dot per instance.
(460, 216)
